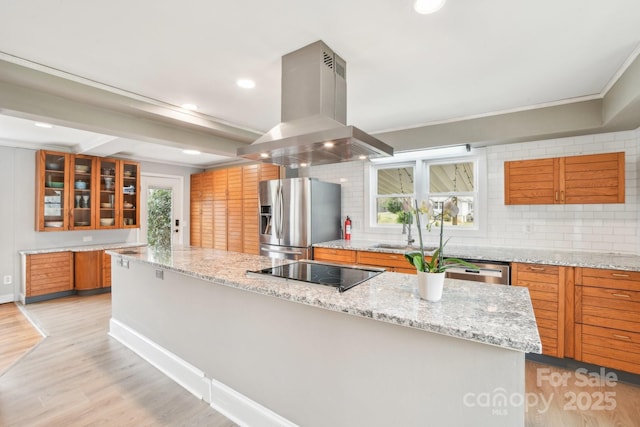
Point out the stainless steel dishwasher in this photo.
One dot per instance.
(487, 272)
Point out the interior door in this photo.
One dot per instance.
(161, 197)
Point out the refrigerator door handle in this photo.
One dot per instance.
(280, 212)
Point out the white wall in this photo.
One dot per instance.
(597, 227)
(17, 215)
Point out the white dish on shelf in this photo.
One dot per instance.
(107, 221)
(54, 224)
(105, 205)
(82, 168)
(128, 205)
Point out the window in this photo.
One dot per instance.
(456, 181)
(395, 190)
(422, 177)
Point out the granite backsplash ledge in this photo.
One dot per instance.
(567, 258)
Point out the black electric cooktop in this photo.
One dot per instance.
(337, 276)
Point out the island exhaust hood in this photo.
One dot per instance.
(313, 130)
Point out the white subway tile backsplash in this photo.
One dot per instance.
(608, 227)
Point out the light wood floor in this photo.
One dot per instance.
(17, 336)
(79, 376)
(578, 399)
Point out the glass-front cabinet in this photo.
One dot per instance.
(78, 192)
(109, 202)
(83, 181)
(52, 174)
(130, 194)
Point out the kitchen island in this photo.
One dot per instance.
(269, 352)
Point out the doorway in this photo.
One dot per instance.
(161, 209)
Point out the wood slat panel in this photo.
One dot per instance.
(334, 255)
(234, 183)
(250, 226)
(268, 171)
(597, 316)
(234, 225)
(106, 270)
(381, 259)
(613, 279)
(207, 223)
(250, 181)
(220, 184)
(220, 224)
(43, 277)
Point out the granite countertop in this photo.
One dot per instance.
(491, 314)
(523, 255)
(82, 248)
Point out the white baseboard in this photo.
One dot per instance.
(6, 298)
(188, 376)
(242, 410)
(233, 405)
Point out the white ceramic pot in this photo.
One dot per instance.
(430, 285)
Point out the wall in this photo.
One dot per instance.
(597, 227)
(17, 216)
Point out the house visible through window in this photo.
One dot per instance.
(394, 194)
(455, 181)
(397, 185)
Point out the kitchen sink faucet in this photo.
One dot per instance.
(406, 229)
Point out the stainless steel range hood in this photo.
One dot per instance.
(313, 114)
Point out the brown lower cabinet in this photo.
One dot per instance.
(547, 287)
(58, 274)
(48, 273)
(92, 272)
(607, 313)
(388, 261)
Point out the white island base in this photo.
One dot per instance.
(265, 361)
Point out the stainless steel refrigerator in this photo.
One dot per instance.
(295, 213)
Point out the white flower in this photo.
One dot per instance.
(451, 208)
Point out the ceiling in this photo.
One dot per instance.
(404, 70)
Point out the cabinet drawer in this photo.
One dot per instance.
(610, 347)
(613, 279)
(610, 318)
(613, 298)
(334, 255)
(382, 259)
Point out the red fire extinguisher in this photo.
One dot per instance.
(347, 229)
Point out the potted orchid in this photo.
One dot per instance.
(431, 272)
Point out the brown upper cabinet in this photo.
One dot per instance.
(77, 192)
(595, 178)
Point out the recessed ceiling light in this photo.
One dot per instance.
(264, 155)
(191, 107)
(43, 125)
(303, 165)
(191, 152)
(425, 7)
(246, 83)
(362, 157)
(328, 144)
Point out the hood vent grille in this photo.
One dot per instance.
(313, 130)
